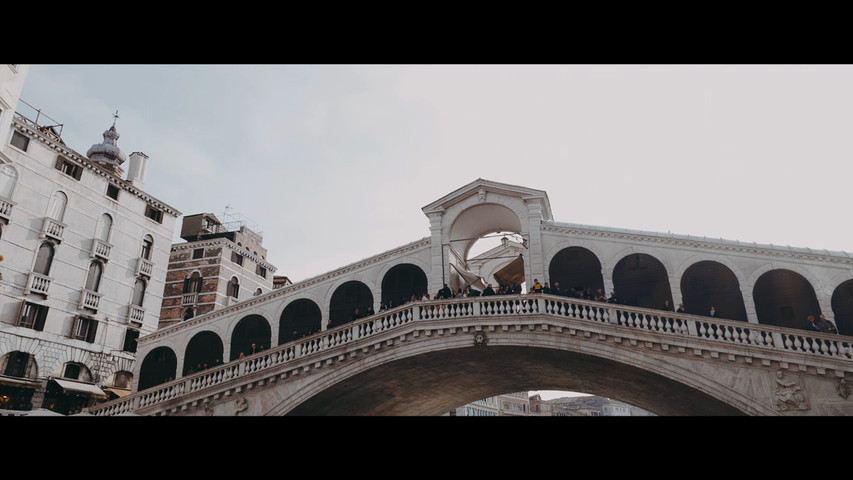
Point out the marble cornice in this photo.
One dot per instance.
(213, 242)
(72, 155)
(737, 247)
(284, 291)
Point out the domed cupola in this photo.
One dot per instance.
(107, 154)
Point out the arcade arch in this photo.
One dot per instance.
(300, 317)
(842, 307)
(708, 283)
(159, 366)
(784, 298)
(401, 282)
(576, 268)
(251, 335)
(641, 280)
(348, 297)
(204, 350)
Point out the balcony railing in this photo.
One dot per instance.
(100, 249)
(189, 298)
(52, 229)
(144, 267)
(38, 283)
(89, 299)
(6, 208)
(135, 313)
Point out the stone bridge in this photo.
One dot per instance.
(300, 351)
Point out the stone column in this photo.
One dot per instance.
(438, 253)
(749, 303)
(533, 264)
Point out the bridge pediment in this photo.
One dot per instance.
(485, 190)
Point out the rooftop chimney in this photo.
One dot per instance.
(136, 169)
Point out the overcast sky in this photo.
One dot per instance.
(334, 162)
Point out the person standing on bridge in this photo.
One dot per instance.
(681, 308)
(445, 292)
(825, 325)
(668, 306)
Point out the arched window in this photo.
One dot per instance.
(8, 178)
(139, 292)
(44, 259)
(193, 284)
(58, 202)
(233, 287)
(93, 280)
(258, 292)
(147, 247)
(104, 227)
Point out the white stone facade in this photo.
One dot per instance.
(109, 240)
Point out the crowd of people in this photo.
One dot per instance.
(820, 325)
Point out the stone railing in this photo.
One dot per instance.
(135, 313)
(100, 249)
(679, 326)
(6, 208)
(51, 228)
(89, 299)
(189, 298)
(38, 283)
(144, 267)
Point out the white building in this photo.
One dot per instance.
(85, 253)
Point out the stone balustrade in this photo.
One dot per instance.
(6, 208)
(100, 249)
(481, 311)
(38, 283)
(89, 299)
(52, 229)
(144, 267)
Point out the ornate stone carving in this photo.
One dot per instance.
(240, 405)
(480, 338)
(788, 395)
(482, 194)
(843, 389)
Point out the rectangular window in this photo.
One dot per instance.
(69, 168)
(154, 214)
(20, 141)
(85, 329)
(72, 371)
(130, 340)
(198, 253)
(112, 191)
(261, 271)
(237, 258)
(33, 316)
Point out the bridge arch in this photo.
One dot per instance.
(250, 335)
(641, 280)
(842, 307)
(784, 298)
(708, 283)
(474, 221)
(402, 280)
(159, 366)
(300, 317)
(346, 296)
(204, 350)
(576, 267)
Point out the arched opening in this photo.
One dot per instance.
(18, 395)
(576, 269)
(251, 335)
(44, 259)
(8, 178)
(56, 209)
(105, 225)
(300, 318)
(641, 280)
(234, 288)
(706, 284)
(348, 298)
(159, 366)
(93, 278)
(139, 292)
(401, 282)
(842, 307)
(204, 351)
(147, 247)
(784, 298)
